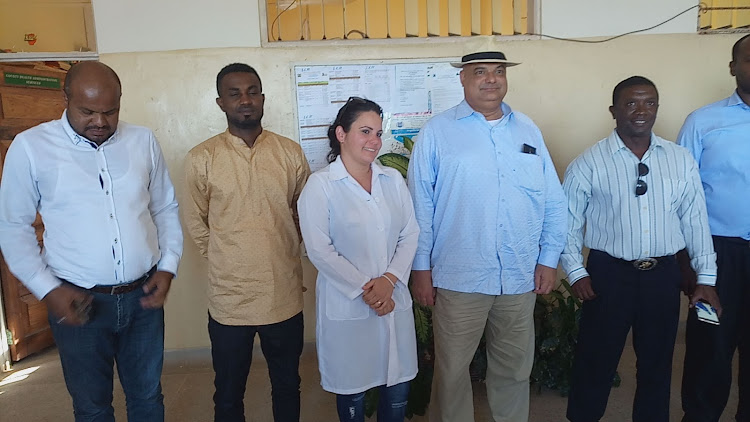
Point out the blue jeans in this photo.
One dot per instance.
(391, 405)
(232, 353)
(121, 331)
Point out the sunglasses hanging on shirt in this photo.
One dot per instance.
(641, 187)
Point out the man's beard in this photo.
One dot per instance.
(244, 123)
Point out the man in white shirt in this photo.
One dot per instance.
(112, 243)
(641, 201)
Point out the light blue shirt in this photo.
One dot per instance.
(487, 211)
(600, 186)
(718, 136)
(109, 212)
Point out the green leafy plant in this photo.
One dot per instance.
(556, 318)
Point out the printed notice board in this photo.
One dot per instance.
(409, 93)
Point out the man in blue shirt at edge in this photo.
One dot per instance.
(492, 216)
(718, 136)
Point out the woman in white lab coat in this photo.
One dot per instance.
(360, 232)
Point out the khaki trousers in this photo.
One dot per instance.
(459, 319)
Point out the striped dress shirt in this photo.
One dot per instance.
(671, 215)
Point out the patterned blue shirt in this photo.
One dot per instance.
(718, 136)
(487, 211)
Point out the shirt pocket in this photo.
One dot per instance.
(341, 308)
(529, 172)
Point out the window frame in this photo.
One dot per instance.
(723, 30)
(56, 55)
(534, 25)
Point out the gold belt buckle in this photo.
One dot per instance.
(645, 264)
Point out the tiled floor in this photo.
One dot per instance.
(35, 392)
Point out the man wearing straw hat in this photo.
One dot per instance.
(492, 216)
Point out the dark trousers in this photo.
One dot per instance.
(707, 376)
(232, 352)
(120, 331)
(647, 301)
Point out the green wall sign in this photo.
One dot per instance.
(31, 80)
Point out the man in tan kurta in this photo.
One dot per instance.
(241, 211)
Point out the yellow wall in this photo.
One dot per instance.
(59, 25)
(565, 87)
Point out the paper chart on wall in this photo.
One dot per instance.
(409, 93)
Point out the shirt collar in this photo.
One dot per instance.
(615, 143)
(464, 110)
(77, 139)
(240, 141)
(736, 100)
(337, 171)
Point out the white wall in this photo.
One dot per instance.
(162, 25)
(150, 25)
(592, 18)
(565, 87)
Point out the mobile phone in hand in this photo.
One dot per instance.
(706, 313)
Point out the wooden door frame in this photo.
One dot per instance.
(4, 347)
(31, 334)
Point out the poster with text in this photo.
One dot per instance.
(409, 93)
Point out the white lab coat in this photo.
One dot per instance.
(352, 236)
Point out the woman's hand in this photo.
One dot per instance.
(377, 293)
(386, 308)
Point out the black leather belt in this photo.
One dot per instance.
(118, 289)
(646, 264)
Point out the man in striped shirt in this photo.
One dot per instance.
(641, 201)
